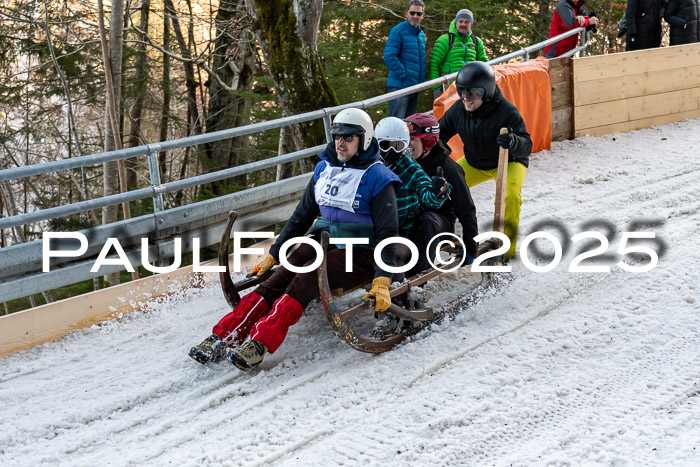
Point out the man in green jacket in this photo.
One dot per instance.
(456, 48)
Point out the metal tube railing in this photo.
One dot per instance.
(141, 193)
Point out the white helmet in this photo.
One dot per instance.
(354, 122)
(392, 129)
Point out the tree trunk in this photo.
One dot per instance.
(194, 124)
(165, 109)
(188, 65)
(234, 63)
(113, 72)
(140, 86)
(289, 44)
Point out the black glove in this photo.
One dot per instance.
(622, 27)
(506, 140)
(441, 189)
(592, 27)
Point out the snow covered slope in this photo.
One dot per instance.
(556, 367)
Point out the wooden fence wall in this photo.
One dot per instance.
(632, 90)
(562, 102)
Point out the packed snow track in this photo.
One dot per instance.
(552, 368)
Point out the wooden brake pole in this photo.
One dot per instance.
(501, 184)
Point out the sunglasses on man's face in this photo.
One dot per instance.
(347, 138)
(415, 13)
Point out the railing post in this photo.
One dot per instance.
(154, 173)
(327, 122)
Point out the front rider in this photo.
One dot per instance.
(355, 196)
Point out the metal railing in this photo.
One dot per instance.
(20, 274)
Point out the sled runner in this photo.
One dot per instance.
(415, 317)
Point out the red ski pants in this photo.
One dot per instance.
(274, 306)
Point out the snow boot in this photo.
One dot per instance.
(387, 325)
(212, 349)
(247, 356)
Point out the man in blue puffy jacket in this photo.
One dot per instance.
(404, 54)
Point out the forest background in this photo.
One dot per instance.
(177, 68)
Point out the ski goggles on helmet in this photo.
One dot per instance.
(472, 94)
(417, 131)
(386, 145)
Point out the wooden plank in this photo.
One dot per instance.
(499, 216)
(638, 124)
(635, 85)
(562, 126)
(562, 136)
(636, 108)
(52, 321)
(561, 96)
(627, 63)
(560, 70)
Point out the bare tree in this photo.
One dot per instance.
(114, 173)
(140, 86)
(233, 63)
(288, 34)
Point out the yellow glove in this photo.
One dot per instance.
(265, 265)
(380, 293)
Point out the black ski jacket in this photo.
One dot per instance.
(643, 20)
(684, 18)
(460, 204)
(479, 129)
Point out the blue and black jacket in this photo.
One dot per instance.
(375, 213)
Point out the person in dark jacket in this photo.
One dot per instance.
(433, 156)
(355, 196)
(684, 18)
(643, 20)
(404, 54)
(568, 14)
(478, 118)
(418, 193)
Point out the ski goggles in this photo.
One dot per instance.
(347, 138)
(417, 131)
(398, 146)
(471, 94)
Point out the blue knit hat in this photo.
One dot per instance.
(465, 14)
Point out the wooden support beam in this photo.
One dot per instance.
(501, 185)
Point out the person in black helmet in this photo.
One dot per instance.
(478, 117)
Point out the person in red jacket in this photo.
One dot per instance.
(569, 14)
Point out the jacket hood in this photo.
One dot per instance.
(360, 161)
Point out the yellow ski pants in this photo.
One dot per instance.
(516, 175)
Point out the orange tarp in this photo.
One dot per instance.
(525, 84)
